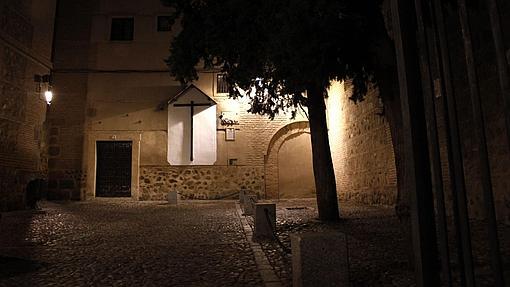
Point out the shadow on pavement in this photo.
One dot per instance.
(12, 266)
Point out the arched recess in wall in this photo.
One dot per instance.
(287, 151)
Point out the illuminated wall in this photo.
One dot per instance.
(361, 147)
(119, 90)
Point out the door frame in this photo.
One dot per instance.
(130, 166)
(91, 159)
(271, 174)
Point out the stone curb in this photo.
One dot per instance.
(265, 269)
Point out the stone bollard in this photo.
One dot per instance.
(249, 204)
(320, 259)
(242, 194)
(265, 220)
(172, 197)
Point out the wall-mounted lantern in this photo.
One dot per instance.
(44, 80)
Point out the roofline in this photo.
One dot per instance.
(190, 86)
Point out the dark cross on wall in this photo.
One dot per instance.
(192, 106)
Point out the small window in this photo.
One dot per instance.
(122, 29)
(221, 84)
(165, 23)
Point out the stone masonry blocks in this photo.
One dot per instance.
(200, 182)
(172, 197)
(265, 220)
(249, 204)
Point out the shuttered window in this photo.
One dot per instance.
(122, 29)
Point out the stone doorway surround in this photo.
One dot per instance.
(91, 158)
(271, 156)
(295, 167)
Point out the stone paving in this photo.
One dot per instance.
(126, 243)
(377, 245)
(118, 242)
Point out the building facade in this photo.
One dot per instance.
(114, 90)
(26, 37)
(114, 104)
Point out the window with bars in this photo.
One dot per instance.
(122, 29)
(221, 84)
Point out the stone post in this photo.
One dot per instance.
(265, 220)
(242, 194)
(320, 259)
(249, 204)
(172, 197)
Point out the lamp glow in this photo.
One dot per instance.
(48, 95)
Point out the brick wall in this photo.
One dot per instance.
(255, 132)
(271, 159)
(361, 148)
(23, 144)
(67, 114)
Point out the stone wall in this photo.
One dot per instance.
(11, 192)
(23, 131)
(67, 114)
(361, 147)
(253, 133)
(493, 113)
(271, 158)
(119, 104)
(200, 182)
(116, 90)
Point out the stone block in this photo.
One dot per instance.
(172, 197)
(242, 194)
(249, 204)
(320, 259)
(265, 220)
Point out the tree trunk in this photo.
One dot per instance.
(387, 82)
(393, 114)
(404, 19)
(325, 184)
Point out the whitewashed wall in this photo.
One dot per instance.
(204, 131)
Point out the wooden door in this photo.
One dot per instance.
(113, 169)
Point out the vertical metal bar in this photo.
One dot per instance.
(435, 157)
(455, 156)
(503, 70)
(480, 138)
(415, 146)
(192, 113)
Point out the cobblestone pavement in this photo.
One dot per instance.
(377, 246)
(126, 243)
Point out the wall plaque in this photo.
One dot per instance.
(230, 134)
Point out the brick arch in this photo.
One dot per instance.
(271, 157)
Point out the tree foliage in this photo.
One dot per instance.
(282, 54)
(276, 49)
